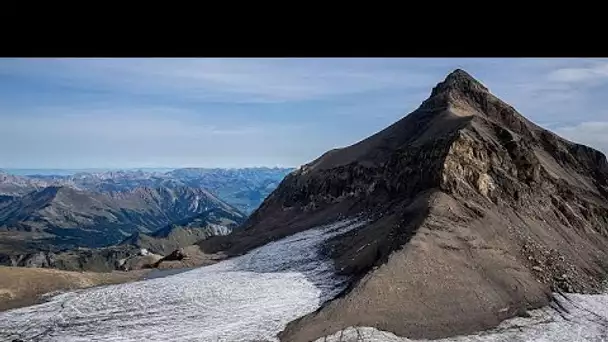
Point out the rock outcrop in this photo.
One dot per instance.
(81, 259)
(477, 215)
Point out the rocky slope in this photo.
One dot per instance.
(477, 214)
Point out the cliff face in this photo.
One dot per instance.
(477, 214)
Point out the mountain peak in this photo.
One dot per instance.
(459, 80)
(459, 73)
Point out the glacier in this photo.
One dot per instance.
(248, 298)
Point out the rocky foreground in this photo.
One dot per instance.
(252, 298)
(576, 318)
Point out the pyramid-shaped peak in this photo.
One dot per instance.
(459, 80)
(459, 76)
(459, 73)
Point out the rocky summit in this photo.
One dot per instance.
(475, 213)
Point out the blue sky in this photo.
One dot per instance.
(125, 113)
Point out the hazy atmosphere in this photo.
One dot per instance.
(126, 113)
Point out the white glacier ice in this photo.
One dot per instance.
(247, 298)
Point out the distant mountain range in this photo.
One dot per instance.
(69, 172)
(156, 211)
(65, 217)
(244, 188)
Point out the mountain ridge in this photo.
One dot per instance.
(477, 215)
(502, 210)
(65, 213)
(211, 222)
(243, 188)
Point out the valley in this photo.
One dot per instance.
(102, 221)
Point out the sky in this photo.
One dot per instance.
(130, 113)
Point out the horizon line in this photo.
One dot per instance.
(88, 169)
(150, 167)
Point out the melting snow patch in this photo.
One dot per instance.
(585, 319)
(248, 298)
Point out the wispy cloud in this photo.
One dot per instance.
(231, 112)
(116, 121)
(593, 72)
(223, 80)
